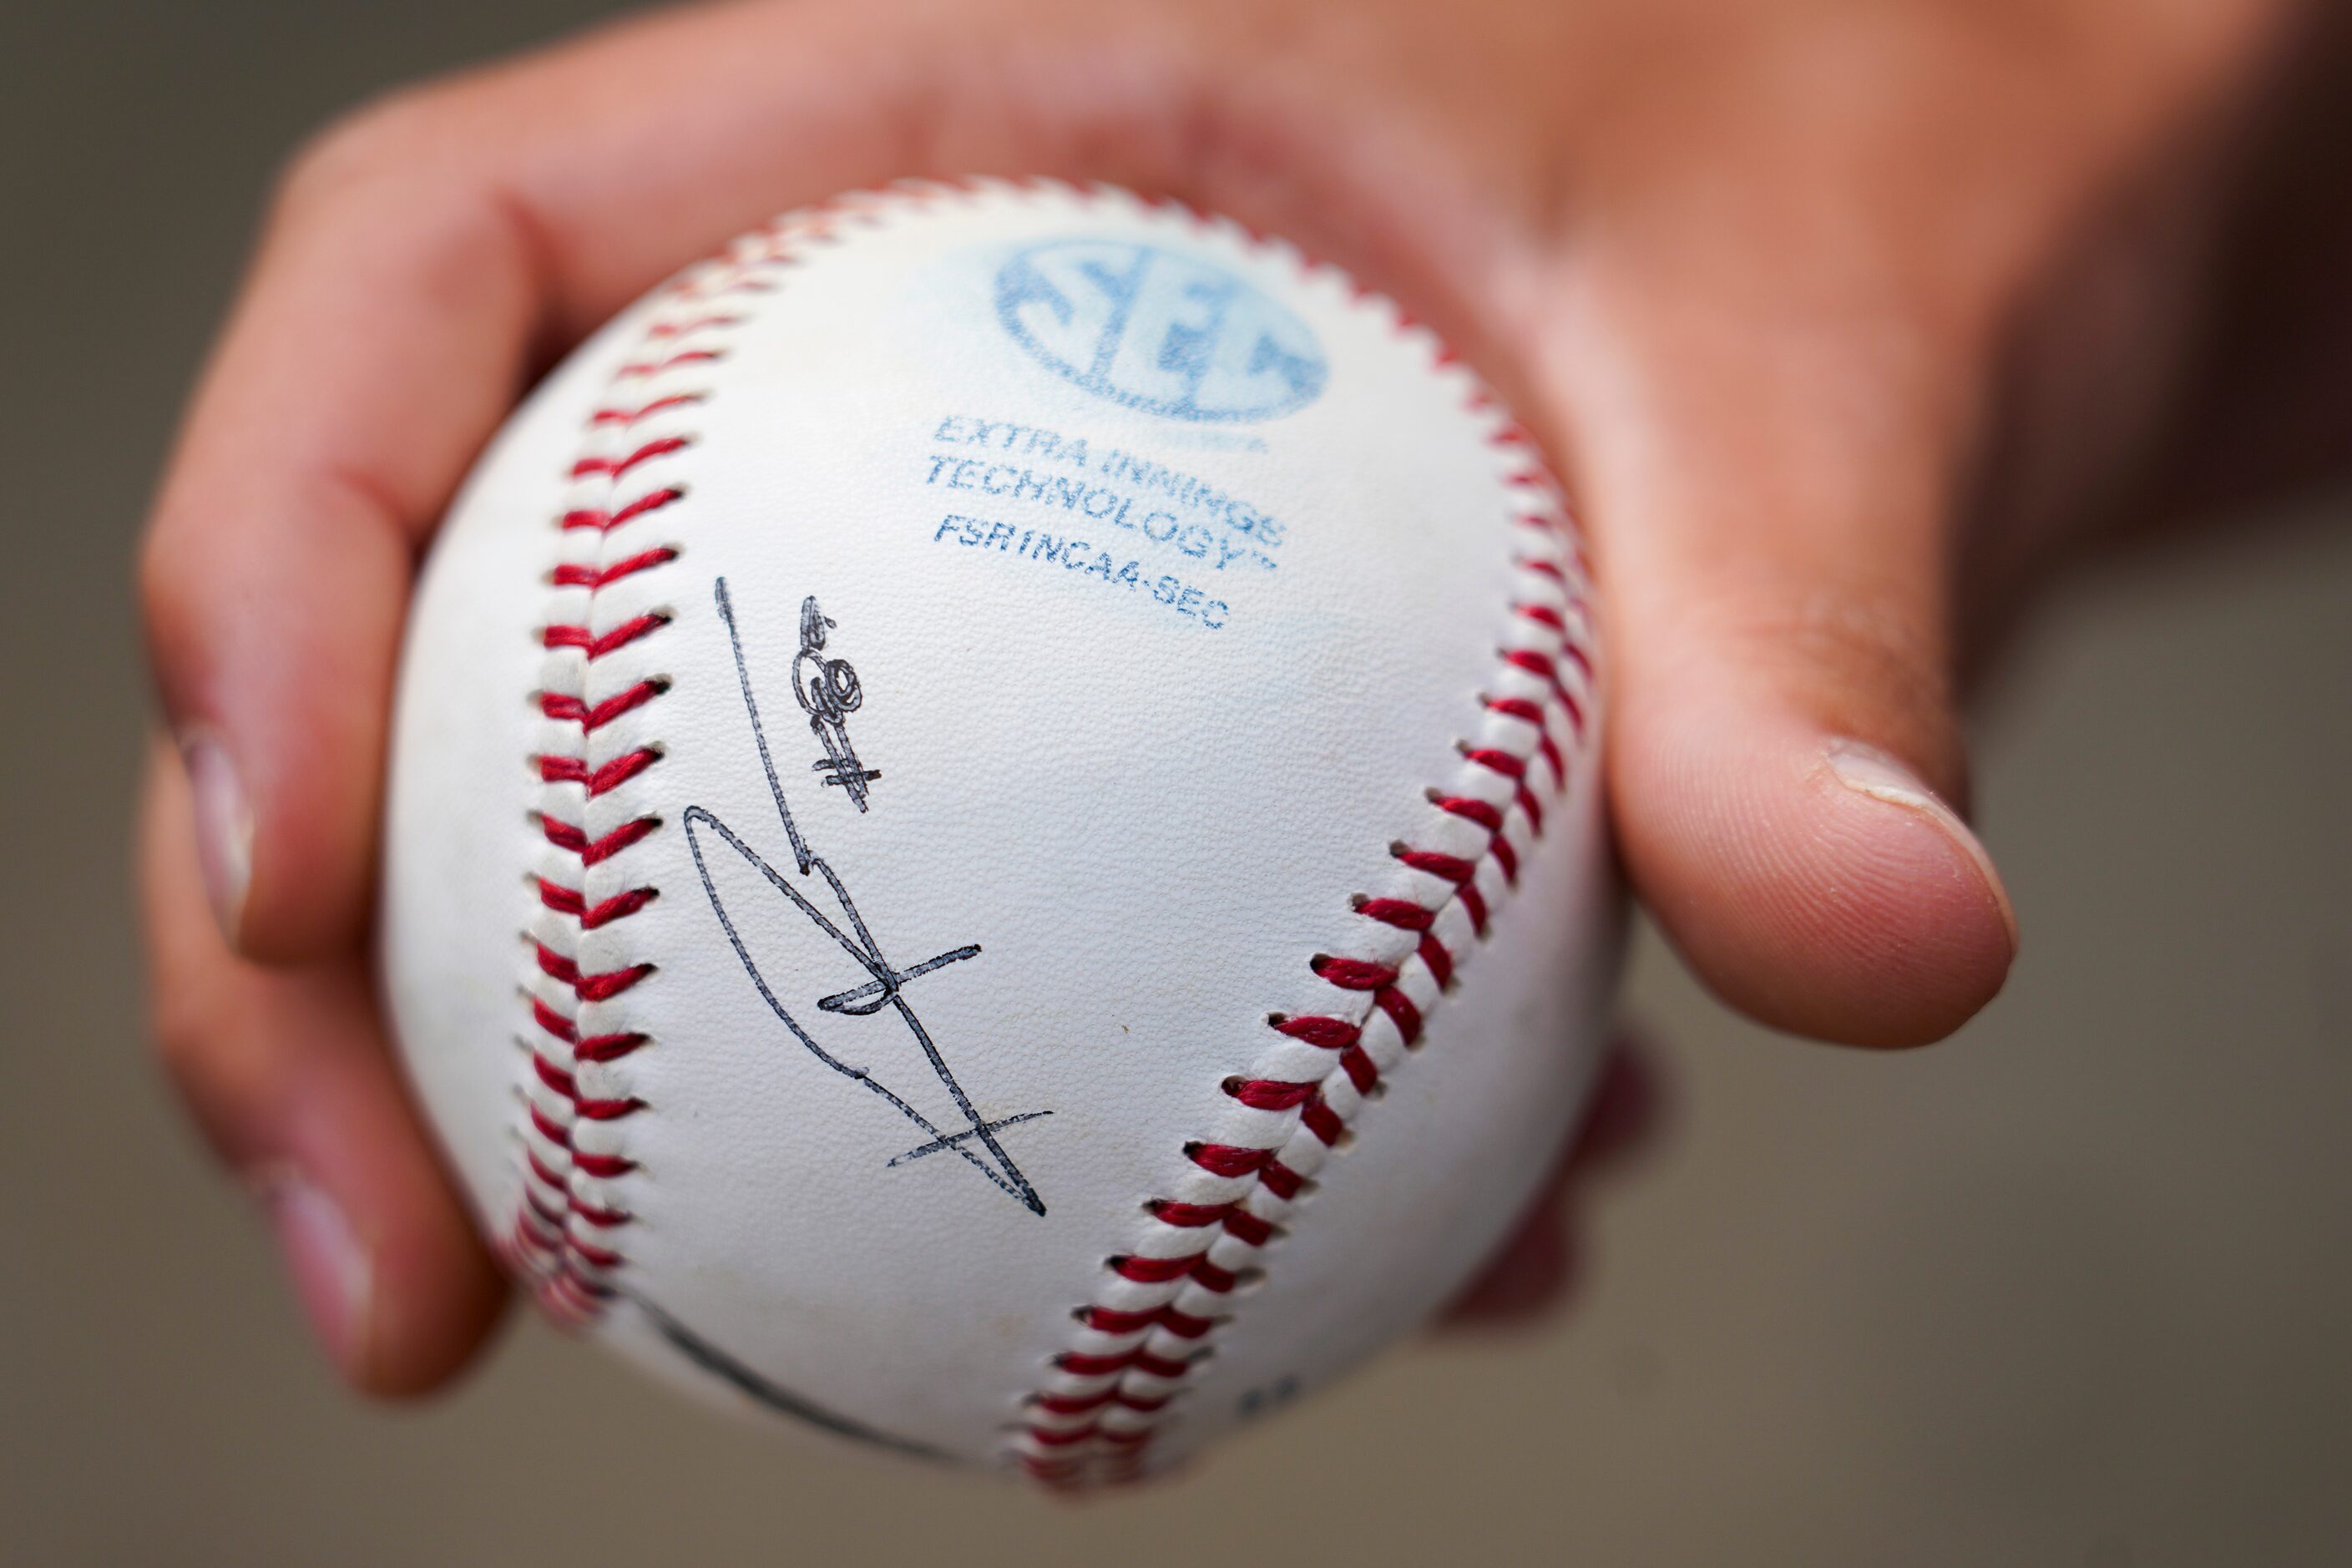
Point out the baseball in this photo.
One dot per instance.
(995, 846)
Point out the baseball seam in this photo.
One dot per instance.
(596, 742)
(1104, 1396)
(1138, 1342)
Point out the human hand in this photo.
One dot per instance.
(1784, 287)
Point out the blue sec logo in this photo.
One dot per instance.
(1158, 330)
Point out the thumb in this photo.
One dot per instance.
(1772, 509)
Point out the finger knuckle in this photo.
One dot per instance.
(163, 575)
(178, 1033)
(1856, 644)
(181, 1027)
(1866, 666)
(396, 136)
(184, 578)
(199, 1055)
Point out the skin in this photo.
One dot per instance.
(1847, 323)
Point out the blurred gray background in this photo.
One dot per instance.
(2071, 1289)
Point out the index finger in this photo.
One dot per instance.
(416, 263)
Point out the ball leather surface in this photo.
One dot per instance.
(1162, 584)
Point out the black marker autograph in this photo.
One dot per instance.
(829, 692)
(887, 986)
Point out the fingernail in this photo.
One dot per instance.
(223, 827)
(333, 1276)
(1866, 769)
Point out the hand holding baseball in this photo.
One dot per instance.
(1801, 305)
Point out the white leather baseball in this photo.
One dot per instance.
(1161, 947)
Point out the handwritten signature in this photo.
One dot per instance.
(975, 1143)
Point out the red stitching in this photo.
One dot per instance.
(610, 983)
(625, 416)
(594, 1255)
(589, 988)
(1433, 953)
(564, 836)
(1449, 868)
(1508, 857)
(618, 468)
(1331, 1033)
(1401, 1011)
(606, 1048)
(1503, 763)
(1532, 713)
(660, 330)
(554, 1132)
(605, 777)
(605, 521)
(1070, 1403)
(1047, 1435)
(566, 900)
(1354, 973)
(563, 1239)
(1211, 1277)
(595, 577)
(1477, 810)
(1401, 913)
(1154, 1271)
(1270, 1094)
(645, 368)
(562, 706)
(598, 644)
(554, 1022)
(1224, 1160)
